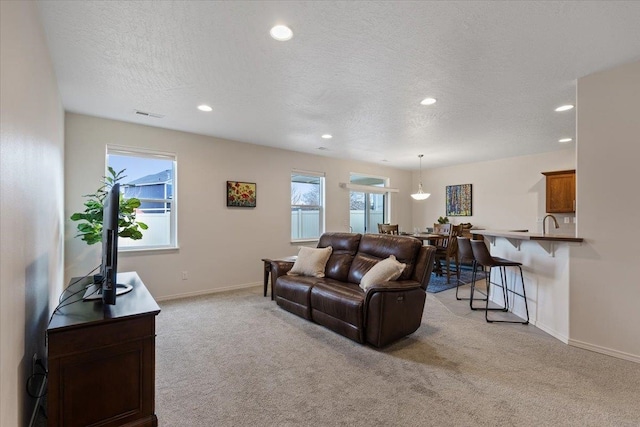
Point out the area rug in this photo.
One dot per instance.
(439, 283)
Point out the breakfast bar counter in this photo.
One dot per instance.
(545, 259)
(521, 235)
(546, 241)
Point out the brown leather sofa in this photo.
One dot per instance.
(384, 313)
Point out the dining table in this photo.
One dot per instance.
(431, 238)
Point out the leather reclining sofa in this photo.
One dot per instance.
(384, 313)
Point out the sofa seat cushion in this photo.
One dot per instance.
(293, 294)
(339, 300)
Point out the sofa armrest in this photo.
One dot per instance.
(393, 286)
(392, 310)
(424, 265)
(280, 268)
(390, 288)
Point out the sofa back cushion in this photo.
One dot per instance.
(376, 247)
(345, 247)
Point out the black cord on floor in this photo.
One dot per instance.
(35, 375)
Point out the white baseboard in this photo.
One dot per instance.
(552, 332)
(210, 291)
(604, 350)
(535, 322)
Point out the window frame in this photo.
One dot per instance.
(320, 207)
(368, 190)
(120, 150)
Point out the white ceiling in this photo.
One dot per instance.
(356, 70)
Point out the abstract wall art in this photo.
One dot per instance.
(459, 200)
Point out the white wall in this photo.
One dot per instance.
(223, 251)
(507, 193)
(605, 270)
(31, 197)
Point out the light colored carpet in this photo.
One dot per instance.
(237, 359)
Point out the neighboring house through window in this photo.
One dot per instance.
(150, 177)
(307, 205)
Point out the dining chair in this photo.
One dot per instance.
(448, 253)
(441, 228)
(388, 228)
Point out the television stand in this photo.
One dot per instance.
(94, 291)
(101, 360)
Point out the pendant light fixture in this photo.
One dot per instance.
(420, 195)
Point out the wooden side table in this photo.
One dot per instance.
(267, 270)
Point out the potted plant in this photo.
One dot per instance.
(90, 229)
(443, 220)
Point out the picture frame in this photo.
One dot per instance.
(241, 194)
(458, 200)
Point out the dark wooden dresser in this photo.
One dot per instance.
(102, 360)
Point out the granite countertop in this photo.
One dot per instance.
(519, 235)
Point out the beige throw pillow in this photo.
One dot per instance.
(387, 269)
(311, 262)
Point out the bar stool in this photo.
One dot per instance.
(465, 254)
(484, 258)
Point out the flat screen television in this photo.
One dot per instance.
(105, 284)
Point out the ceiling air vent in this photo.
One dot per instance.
(146, 114)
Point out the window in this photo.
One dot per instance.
(307, 205)
(150, 177)
(368, 201)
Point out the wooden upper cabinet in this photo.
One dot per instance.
(561, 191)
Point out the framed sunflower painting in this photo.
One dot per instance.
(241, 194)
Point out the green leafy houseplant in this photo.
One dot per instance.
(90, 230)
(443, 220)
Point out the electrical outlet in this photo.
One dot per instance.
(185, 275)
(567, 220)
(573, 219)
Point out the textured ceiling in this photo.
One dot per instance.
(356, 70)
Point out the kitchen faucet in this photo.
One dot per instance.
(555, 222)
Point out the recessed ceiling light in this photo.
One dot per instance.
(565, 140)
(281, 33)
(204, 107)
(327, 136)
(564, 107)
(428, 101)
